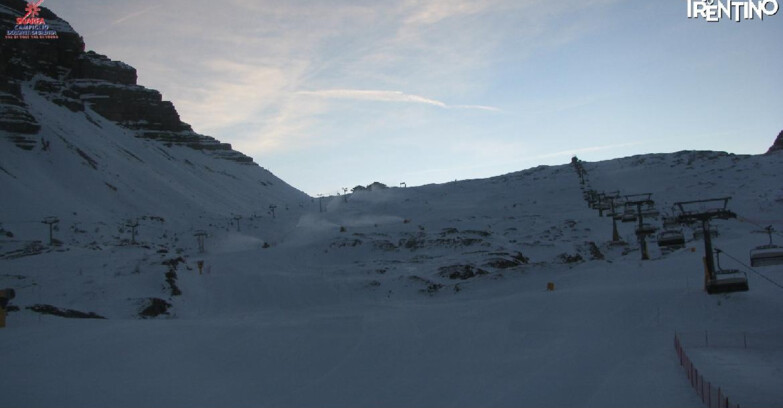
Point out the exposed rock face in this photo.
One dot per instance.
(60, 70)
(92, 65)
(14, 117)
(778, 145)
(132, 106)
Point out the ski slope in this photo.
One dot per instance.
(426, 296)
(96, 171)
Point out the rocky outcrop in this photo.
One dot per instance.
(59, 93)
(194, 140)
(131, 106)
(92, 65)
(778, 145)
(14, 116)
(60, 70)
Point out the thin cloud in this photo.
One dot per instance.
(109, 26)
(136, 14)
(479, 107)
(435, 11)
(588, 150)
(388, 96)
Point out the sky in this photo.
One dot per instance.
(329, 94)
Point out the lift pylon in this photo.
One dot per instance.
(704, 211)
(643, 230)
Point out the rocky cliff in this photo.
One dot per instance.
(778, 145)
(61, 71)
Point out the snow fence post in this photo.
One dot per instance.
(705, 390)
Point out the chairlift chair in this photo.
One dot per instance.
(670, 223)
(726, 280)
(646, 229)
(650, 211)
(671, 239)
(767, 255)
(629, 215)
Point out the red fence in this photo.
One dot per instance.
(711, 396)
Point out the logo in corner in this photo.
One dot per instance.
(714, 11)
(31, 26)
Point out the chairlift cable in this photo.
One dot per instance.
(774, 231)
(749, 268)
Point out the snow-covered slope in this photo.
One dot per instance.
(429, 296)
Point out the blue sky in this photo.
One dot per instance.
(331, 94)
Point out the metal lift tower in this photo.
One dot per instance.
(642, 230)
(716, 281)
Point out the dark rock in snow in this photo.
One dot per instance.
(595, 253)
(502, 263)
(171, 275)
(67, 313)
(431, 287)
(345, 243)
(507, 261)
(154, 308)
(569, 259)
(461, 272)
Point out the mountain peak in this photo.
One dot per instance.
(778, 145)
(60, 69)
